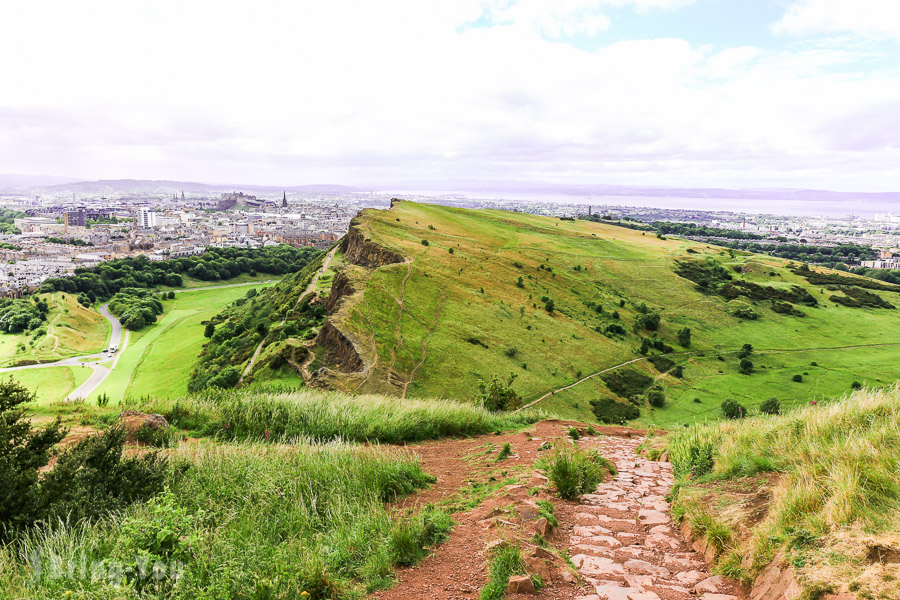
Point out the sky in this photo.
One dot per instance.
(436, 94)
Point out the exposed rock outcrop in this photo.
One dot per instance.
(339, 350)
(341, 287)
(360, 250)
(134, 420)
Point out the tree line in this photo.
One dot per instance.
(107, 279)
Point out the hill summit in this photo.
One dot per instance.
(589, 319)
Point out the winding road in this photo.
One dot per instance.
(117, 337)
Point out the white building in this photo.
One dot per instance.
(146, 218)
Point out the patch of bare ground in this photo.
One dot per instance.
(494, 502)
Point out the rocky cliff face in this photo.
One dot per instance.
(361, 251)
(339, 350)
(341, 287)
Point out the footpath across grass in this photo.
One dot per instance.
(819, 487)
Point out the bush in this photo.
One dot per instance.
(612, 411)
(733, 410)
(425, 243)
(103, 400)
(746, 350)
(746, 366)
(93, 478)
(574, 433)
(684, 337)
(856, 385)
(770, 406)
(497, 395)
(574, 471)
(656, 397)
(23, 451)
(678, 371)
(797, 378)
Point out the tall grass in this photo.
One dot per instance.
(839, 465)
(574, 471)
(247, 520)
(324, 416)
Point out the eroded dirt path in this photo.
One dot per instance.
(625, 544)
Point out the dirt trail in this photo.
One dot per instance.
(625, 544)
(620, 538)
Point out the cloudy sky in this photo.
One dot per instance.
(429, 93)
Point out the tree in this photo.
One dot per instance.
(797, 378)
(209, 330)
(746, 366)
(519, 282)
(549, 306)
(497, 394)
(678, 371)
(23, 451)
(171, 295)
(746, 350)
(684, 337)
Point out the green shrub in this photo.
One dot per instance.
(574, 471)
(797, 378)
(612, 411)
(93, 478)
(856, 385)
(23, 451)
(770, 406)
(733, 409)
(746, 366)
(103, 400)
(574, 433)
(656, 397)
(498, 395)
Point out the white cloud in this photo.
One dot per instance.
(870, 18)
(368, 93)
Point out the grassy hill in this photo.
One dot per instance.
(429, 300)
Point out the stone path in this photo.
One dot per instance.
(625, 545)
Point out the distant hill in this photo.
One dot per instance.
(107, 186)
(427, 301)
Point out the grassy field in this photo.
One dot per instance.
(435, 326)
(159, 359)
(70, 330)
(51, 384)
(819, 486)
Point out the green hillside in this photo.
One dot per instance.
(429, 300)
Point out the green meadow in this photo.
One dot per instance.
(472, 303)
(158, 359)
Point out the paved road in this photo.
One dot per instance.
(100, 373)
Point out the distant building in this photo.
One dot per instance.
(284, 200)
(146, 218)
